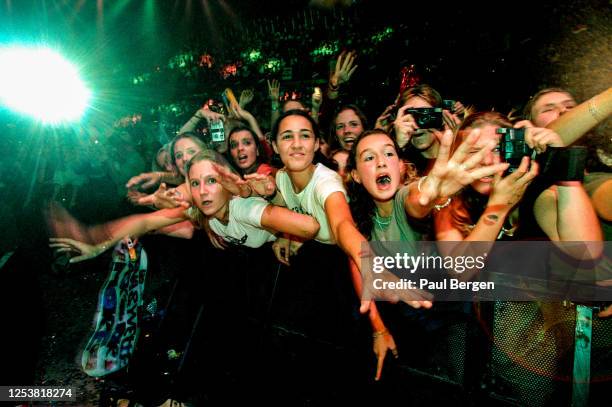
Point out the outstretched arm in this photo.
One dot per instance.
(449, 175)
(382, 339)
(202, 114)
(274, 95)
(284, 220)
(352, 242)
(114, 231)
(582, 118)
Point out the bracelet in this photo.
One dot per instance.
(421, 183)
(594, 112)
(444, 205)
(379, 334)
(271, 196)
(198, 117)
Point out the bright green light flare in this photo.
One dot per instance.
(41, 83)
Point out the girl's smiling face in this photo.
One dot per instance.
(207, 193)
(348, 127)
(296, 143)
(377, 166)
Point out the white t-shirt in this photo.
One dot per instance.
(244, 224)
(311, 200)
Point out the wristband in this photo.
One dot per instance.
(379, 334)
(567, 164)
(271, 196)
(444, 205)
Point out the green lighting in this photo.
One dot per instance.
(383, 35)
(40, 83)
(180, 61)
(273, 65)
(326, 49)
(254, 55)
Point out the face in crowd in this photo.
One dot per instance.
(348, 127)
(164, 160)
(549, 106)
(243, 149)
(340, 160)
(377, 166)
(488, 132)
(422, 139)
(296, 143)
(208, 194)
(184, 149)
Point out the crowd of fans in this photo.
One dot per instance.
(313, 180)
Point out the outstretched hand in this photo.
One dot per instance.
(145, 180)
(245, 97)
(344, 68)
(449, 175)
(274, 90)
(262, 185)
(238, 112)
(65, 245)
(166, 197)
(232, 182)
(383, 343)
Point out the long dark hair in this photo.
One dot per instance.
(295, 112)
(362, 205)
(261, 154)
(333, 139)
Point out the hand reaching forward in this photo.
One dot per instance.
(85, 251)
(449, 175)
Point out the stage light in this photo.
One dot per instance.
(254, 55)
(273, 65)
(39, 82)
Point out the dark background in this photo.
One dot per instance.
(486, 54)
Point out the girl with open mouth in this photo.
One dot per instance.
(385, 209)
